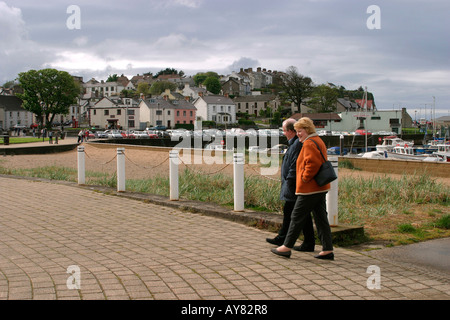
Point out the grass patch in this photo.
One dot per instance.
(18, 140)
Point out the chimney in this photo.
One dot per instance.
(258, 69)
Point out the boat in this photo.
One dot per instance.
(404, 152)
(390, 142)
(373, 155)
(443, 151)
(433, 158)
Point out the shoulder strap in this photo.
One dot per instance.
(318, 148)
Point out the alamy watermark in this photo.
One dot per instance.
(374, 280)
(261, 146)
(74, 20)
(74, 280)
(374, 21)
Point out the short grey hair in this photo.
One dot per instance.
(289, 124)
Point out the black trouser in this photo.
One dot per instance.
(305, 204)
(308, 229)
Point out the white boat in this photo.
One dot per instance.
(390, 142)
(433, 158)
(404, 152)
(373, 154)
(443, 151)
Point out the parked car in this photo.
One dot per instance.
(140, 134)
(114, 134)
(163, 128)
(101, 134)
(363, 132)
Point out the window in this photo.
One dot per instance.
(158, 112)
(130, 123)
(184, 113)
(130, 112)
(95, 112)
(191, 113)
(119, 112)
(106, 112)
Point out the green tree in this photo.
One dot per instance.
(213, 85)
(169, 71)
(47, 92)
(296, 87)
(143, 88)
(159, 86)
(200, 77)
(323, 98)
(112, 78)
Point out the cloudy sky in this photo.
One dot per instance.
(400, 52)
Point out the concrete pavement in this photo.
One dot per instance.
(62, 241)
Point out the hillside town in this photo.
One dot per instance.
(244, 97)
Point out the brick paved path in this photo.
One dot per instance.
(128, 249)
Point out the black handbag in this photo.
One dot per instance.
(326, 172)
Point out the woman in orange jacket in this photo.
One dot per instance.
(310, 196)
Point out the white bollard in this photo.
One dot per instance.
(120, 169)
(238, 177)
(173, 173)
(332, 196)
(81, 165)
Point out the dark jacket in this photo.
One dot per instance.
(288, 170)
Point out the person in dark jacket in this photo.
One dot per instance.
(287, 193)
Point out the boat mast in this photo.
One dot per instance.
(365, 112)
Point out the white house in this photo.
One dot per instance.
(115, 112)
(220, 109)
(106, 89)
(156, 112)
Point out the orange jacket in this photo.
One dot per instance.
(308, 164)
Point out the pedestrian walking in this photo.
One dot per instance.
(287, 193)
(80, 136)
(311, 197)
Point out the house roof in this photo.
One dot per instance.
(349, 105)
(216, 99)
(261, 97)
(11, 103)
(155, 103)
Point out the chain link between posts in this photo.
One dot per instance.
(187, 167)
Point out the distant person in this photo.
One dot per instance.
(50, 137)
(287, 193)
(310, 196)
(80, 136)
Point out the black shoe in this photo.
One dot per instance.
(286, 254)
(304, 248)
(329, 256)
(276, 241)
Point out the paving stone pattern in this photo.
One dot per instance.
(128, 249)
